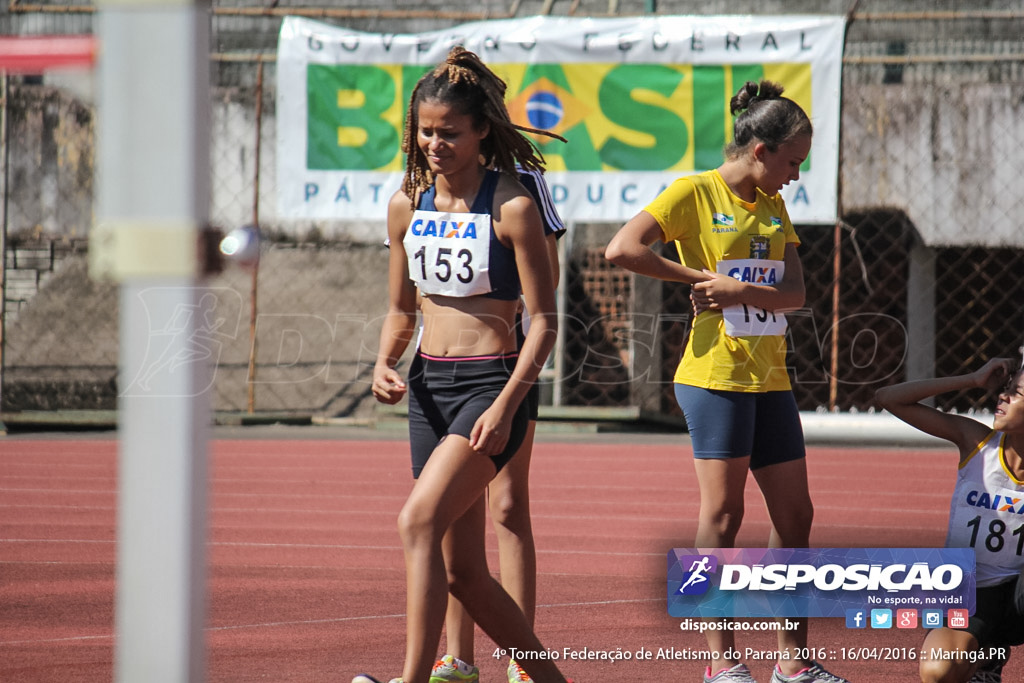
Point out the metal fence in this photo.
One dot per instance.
(919, 278)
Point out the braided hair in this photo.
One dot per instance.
(466, 83)
(765, 116)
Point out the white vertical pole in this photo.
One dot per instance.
(152, 196)
(5, 158)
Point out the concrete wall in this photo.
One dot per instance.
(944, 155)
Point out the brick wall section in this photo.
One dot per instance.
(28, 266)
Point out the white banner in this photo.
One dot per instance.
(641, 101)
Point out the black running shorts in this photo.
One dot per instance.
(448, 395)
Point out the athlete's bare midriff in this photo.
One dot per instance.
(468, 326)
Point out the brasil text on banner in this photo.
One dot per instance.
(641, 101)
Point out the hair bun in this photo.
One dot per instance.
(751, 93)
(743, 98)
(769, 90)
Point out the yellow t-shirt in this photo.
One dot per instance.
(710, 225)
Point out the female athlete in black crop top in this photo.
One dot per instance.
(457, 129)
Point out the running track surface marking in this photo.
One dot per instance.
(306, 578)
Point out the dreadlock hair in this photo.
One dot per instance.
(465, 82)
(765, 116)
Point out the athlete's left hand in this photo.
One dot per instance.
(717, 292)
(491, 431)
(994, 374)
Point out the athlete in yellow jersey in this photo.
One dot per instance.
(715, 230)
(738, 250)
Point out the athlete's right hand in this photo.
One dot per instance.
(388, 386)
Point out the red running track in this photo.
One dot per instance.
(306, 582)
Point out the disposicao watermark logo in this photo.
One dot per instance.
(829, 582)
(696, 581)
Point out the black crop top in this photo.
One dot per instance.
(504, 276)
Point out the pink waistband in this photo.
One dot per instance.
(458, 358)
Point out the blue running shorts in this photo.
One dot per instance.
(734, 424)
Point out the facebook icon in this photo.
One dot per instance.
(856, 618)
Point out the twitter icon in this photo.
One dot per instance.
(881, 618)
